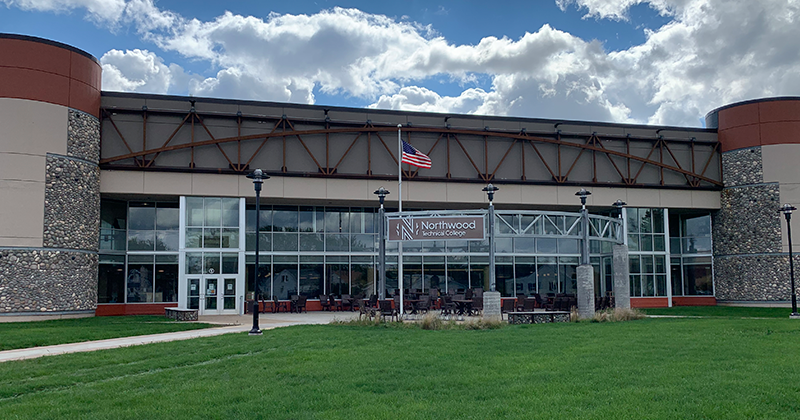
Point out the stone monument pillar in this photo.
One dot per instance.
(622, 283)
(585, 290)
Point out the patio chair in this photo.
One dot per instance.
(387, 310)
(478, 292)
(300, 304)
(335, 305)
(448, 307)
(347, 301)
(326, 304)
(528, 305)
(468, 294)
(373, 301)
(276, 304)
(508, 305)
(540, 301)
(477, 305)
(520, 301)
(424, 305)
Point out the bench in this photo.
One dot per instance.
(537, 317)
(180, 314)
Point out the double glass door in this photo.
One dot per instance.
(212, 295)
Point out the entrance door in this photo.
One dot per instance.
(212, 295)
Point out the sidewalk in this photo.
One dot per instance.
(227, 324)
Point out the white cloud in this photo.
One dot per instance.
(712, 52)
(139, 71)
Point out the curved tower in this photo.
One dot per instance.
(49, 177)
(760, 142)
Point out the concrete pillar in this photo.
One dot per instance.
(622, 283)
(491, 306)
(585, 290)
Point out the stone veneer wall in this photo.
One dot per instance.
(61, 276)
(748, 263)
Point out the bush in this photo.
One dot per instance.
(617, 315)
(431, 321)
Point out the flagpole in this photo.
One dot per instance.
(400, 210)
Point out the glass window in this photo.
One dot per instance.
(547, 272)
(141, 240)
(337, 279)
(194, 263)
(546, 245)
(457, 275)
(167, 240)
(433, 269)
(166, 287)
(230, 212)
(194, 211)
(525, 278)
(362, 276)
(142, 216)
(230, 263)
(524, 245)
(211, 237)
(337, 220)
(167, 216)
(311, 219)
(211, 263)
(284, 279)
(284, 241)
(311, 242)
(113, 214)
(140, 278)
(697, 279)
(111, 279)
(312, 280)
(284, 219)
(213, 211)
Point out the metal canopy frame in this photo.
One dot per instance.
(140, 154)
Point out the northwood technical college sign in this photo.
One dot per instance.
(435, 228)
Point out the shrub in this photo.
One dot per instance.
(431, 321)
(617, 315)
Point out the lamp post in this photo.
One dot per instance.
(490, 190)
(787, 210)
(585, 222)
(619, 204)
(382, 193)
(258, 178)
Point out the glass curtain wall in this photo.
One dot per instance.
(691, 254)
(138, 252)
(647, 252)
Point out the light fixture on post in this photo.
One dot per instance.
(258, 177)
(585, 223)
(490, 190)
(382, 193)
(787, 210)
(618, 205)
(585, 272)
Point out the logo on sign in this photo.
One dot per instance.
(436, 228)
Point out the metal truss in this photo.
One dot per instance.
(564, 152)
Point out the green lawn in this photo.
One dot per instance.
(721, 311)
(654, 368)
(20, 335)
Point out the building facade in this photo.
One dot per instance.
(122, 203)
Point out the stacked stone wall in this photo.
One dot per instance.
(748, 260)
(37, 280)
(62, 275)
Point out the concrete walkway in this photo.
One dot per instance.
(227, 324)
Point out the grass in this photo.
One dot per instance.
(721, 311)
(652, 368)
(20, 335)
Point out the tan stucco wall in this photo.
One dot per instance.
(781, 164)
(30, 130)
(414, 193)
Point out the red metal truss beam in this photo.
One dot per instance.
(589, 145)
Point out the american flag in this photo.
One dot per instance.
(414, 157)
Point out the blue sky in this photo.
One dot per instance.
(660, 62)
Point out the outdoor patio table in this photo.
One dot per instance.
(413, 303)
(463, 306)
